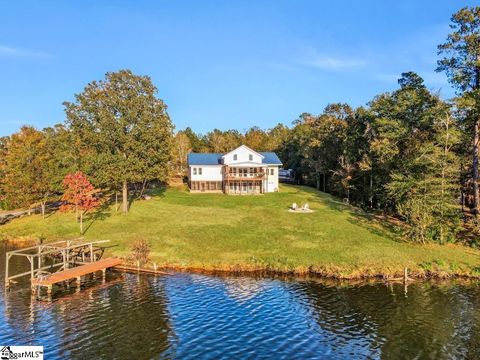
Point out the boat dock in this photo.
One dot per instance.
(60, 261)
(74, 273)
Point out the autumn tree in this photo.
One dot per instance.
(3, 163)
(277, 137)
(257, 139)
(461, 62)
(79, 196)
(122, 130)
(31, 169)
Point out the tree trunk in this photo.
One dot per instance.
(42, 205)
(371, 190)
(144, 184)
(125, 197)
(81, 222)
(476, 193)
(116, 200)
(324, 184)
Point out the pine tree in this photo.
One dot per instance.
(461, 63)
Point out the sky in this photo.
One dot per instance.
(217, 64)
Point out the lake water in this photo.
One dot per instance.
(189, 316)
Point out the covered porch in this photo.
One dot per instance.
(243, 187)
(244, 179)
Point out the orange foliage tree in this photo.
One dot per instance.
(79, 196)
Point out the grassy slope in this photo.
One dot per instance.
(214, 231)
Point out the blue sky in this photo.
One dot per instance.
(217, 64)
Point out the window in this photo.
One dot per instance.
(250, 157)
(235, 157)
(272, 171)
(200, 171)
(194, 171)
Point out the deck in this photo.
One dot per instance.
(75, 273)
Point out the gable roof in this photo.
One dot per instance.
(268, 158)
(204, 159)
(245, 147)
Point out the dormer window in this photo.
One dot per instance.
(235, 157)
(250, 157)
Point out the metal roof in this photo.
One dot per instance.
(204, 159)
(269, 158)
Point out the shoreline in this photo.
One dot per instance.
(393, 273)
(239, 270)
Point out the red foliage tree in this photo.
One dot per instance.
(79, 196)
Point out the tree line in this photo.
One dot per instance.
(116, 131)
(407, 153)
(401, 154)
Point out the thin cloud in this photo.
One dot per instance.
(335, 63)
(8, 51)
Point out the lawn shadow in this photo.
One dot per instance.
(50, 213)
(156, 192)
(376, 226)
(101, 213)
(357, 215)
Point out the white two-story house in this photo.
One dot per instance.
(241, 171)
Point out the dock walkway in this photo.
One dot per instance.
(75, 273)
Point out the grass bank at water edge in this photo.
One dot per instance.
(216, 232)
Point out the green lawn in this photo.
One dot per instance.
(219, 232)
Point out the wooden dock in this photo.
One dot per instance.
(74, 273)
(58, 256)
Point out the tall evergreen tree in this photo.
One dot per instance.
(428, 198)
(461, 63)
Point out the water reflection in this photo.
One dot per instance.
(197, 316)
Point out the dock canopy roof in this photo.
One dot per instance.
(269, 158)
